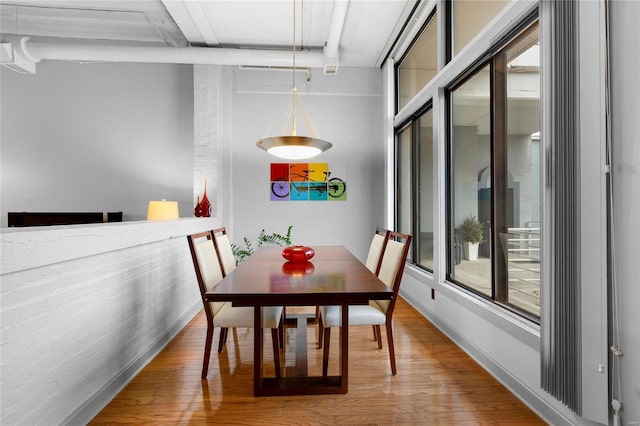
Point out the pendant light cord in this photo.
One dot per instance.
(293, 89)
(294, 44)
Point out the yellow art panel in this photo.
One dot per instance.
(318, 172)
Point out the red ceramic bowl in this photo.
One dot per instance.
(297, 268)
(298, 253)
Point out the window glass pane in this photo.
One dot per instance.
(470, 17)
(425, 189)
(419, 66)
(521, 233)
(470, 183)
(404, 202)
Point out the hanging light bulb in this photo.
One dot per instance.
(292, 146)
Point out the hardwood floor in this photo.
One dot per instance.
(437, 383)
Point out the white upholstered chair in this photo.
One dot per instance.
(377, 312)
(373, 262)
(224, 250)
(378, 243)
(222, 314)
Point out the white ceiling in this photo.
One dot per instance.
(369, 30)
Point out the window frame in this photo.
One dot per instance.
(497, 164)
(432, 17)
(411, 122)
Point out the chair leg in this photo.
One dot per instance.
(276, 349)
(320, 332)
(392, 354)
(207, 352)
(223, 339)
(375, 334)
(325, 352)
(281, 330)
(378, 334)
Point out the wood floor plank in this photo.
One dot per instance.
(436, 384)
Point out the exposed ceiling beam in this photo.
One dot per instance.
(40, 49)
(339, 13)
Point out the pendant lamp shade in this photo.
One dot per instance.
(294, 147)
(291, 146)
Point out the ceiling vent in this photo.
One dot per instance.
(12, 56)
(330, 63)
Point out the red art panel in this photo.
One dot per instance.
(279, 171)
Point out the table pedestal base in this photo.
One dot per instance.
(300, 383)
(301, 386)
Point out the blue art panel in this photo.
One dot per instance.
(280, 191)
(299, 191)
(318, 191)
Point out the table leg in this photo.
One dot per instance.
(301, 347)
(344, 349)
(257, 350)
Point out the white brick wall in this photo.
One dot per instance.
(211, 96)
(75, 331)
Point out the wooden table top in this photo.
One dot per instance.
(332, 276)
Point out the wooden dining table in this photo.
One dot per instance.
(333, 276)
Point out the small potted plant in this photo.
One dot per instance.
(472, 234)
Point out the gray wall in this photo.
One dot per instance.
(96, 137)
(625, 57)
(346, 110)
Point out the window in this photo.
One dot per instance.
(415, 186)
(404, 198)
(470, 191)
(494, 177)
(424, 177)
(468, 18)
(420, 65)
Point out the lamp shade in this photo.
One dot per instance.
(162, 210)
(293, 147)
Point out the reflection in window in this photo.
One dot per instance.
(414, 207)
(420, 65)
(470, 195)
(494, 170)
(424, 139)
(469, 17)
(519, 199)
(404, 187)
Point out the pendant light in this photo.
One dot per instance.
(292, 146)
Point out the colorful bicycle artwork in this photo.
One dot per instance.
(305, 182)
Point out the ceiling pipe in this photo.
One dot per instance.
(102, 52)
(335, 30)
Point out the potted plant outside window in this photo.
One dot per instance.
(472, 234)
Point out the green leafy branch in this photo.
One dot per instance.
(273, 239)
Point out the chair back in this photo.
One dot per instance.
(225, 252)
(392, 267)
(378, 244)
(207, 267)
